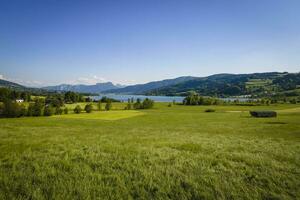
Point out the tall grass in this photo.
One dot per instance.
(164, 153)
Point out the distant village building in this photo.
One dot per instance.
(19, 100)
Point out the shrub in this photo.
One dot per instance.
(88, 108)
(169, 105)
(210, 110)
(58, 110)
(48, 111)
(293, 101)
(66, 110)
(77, 109)
(263, 113)
(147, 103)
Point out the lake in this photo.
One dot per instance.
(178, 99)
(123, 97)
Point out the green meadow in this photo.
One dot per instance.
(178, 152)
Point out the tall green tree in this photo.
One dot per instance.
(137, 104)
(88, 108)
(49, 110)
(108, 106)
(11, 109)
(77, 109)
(147, 103)
(99, 105)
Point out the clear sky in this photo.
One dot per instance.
(47, 42)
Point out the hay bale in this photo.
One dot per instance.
(266, 113)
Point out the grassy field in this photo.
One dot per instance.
(258, 83)
(177, 152)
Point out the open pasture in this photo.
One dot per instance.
(178, 152)
(105, 115)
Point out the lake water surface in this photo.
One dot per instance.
(123, 97)
(178, 99)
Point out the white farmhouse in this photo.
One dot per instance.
(19, 100)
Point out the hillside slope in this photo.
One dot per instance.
(143, 88)
(9, 84)
(234, 84)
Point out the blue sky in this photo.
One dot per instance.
(47, 42)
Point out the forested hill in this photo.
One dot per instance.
(143, 88)
(258, 84)
(8, 84)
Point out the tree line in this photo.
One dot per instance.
(195, 99)
(54, 103)
(139, 104)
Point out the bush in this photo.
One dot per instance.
(147, 103)
(169, 105)
(263, 113)
(210, 110)
(77, 109)
(58, 110)
(88, 108)
(48, 111)
(66, 110)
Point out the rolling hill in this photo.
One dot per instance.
(144, 88)
(259, 84)
(9, 84)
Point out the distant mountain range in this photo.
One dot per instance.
(222, 85)
(97, 88)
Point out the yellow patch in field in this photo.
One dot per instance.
(103, 115)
